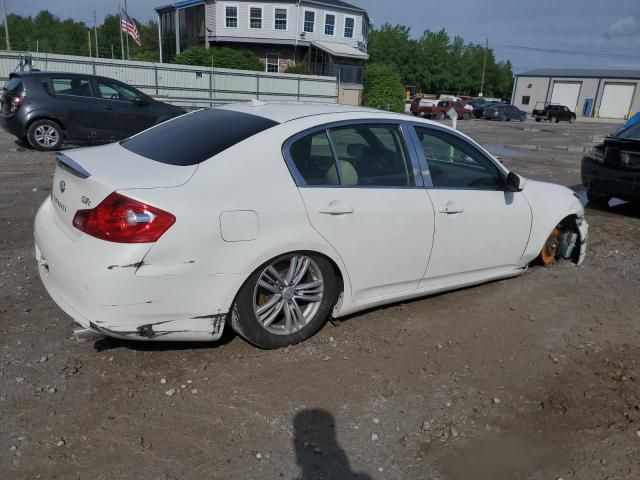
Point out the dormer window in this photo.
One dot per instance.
(329, 24)
(231, 16)
(280, 19)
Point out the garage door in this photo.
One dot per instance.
(566, 93)
(616, 100)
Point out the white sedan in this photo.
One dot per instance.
(273, 217)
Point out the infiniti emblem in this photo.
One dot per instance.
(63, 186)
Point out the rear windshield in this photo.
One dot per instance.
(13, 85)
(196, 137)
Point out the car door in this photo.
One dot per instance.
(363, 193)
(123, 114)
(72, 96)
(480, 229)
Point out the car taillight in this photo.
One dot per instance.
(16, 102)
(123, 220)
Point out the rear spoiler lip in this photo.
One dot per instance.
(71, 166)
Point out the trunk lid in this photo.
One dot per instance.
(86, 176)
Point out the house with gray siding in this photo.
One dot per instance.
(330, 36)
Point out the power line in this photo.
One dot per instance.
(564, 52)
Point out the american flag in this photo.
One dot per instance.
(129, 27)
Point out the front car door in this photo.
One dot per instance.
(481, 230)
(122, 115)
(363, 192)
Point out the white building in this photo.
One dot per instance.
(599, 93)
(330, 35)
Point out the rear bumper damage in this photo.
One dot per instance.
(96, 283)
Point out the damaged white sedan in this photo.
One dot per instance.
(274, 217)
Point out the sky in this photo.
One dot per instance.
(610, 29)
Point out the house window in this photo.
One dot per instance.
(329, 24)
(280, 19)
(526, 99)
(309, 21)
(273, 62)
(231, 17)
(255, 17)
(349, 25)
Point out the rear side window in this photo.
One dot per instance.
(193, 138)
(13, 85)
(79, 87)
(367, 155)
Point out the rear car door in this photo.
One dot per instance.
(479, 228)
(73, 97)
(123, 115)
(363, 193)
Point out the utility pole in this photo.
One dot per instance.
(6, 25)
(112, 55)
(95, 33)
(484, 67)
(89, 36)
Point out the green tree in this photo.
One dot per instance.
(383, 88)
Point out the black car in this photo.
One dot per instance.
(612, 169)
(503, 112)
(47, 109)
(554, 114)
(480, 105)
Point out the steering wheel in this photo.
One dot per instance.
(114, 96)
(482, 181)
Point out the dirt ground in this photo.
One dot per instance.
(535, 377)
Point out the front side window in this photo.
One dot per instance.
(231, 16)
(454, 163)
(329, 24)
(280, 19)
(273, 61)
(255, 17)
(79, 87)
(114, 91)
(309, 21)
(349, 24)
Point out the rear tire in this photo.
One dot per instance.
(523, 118)
(440, 116)
(572, 119)
(467, 116)
(285, 301)
(538, 119)
(503, 118)
(554, 120)
(45, 135)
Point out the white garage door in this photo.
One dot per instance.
(616, 100)
(566, 93)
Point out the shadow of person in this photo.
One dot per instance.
(317, 451)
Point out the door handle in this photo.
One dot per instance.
(107, 107)
(451, 208)
(336, 208)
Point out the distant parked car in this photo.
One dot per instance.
(439, 109)
(504, 112)
(48, 109)
(479, 107)
(420, 105)
(611, 168)
(554, 114)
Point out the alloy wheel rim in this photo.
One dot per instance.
(46, 135)
(288, 294)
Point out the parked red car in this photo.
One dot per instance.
(440, 109)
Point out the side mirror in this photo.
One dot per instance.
(140, 101)
(515, 183)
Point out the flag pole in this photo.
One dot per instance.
(95, 33)
(121, 39)
(127, 35)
